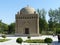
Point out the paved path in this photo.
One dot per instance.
(13, 39)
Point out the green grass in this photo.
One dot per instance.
(3, 40)
(35, 41)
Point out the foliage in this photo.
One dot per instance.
(4, 36)
(54, 21)
(58, 31)
(19, 40)
(42, 20)
(3, 27)
(47, 32)
(35, 41)
(53, 14)
(48, 40)
(28, 37)
(11, 28)
(0, 25)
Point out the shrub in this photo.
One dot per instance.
(35, 41)
(19, 40)
(4, 36)
(28, 37)
(48, 40)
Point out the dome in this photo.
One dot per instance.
(27, 10)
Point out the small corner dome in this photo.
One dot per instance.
(27, 10)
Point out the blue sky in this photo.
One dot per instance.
(8, 8)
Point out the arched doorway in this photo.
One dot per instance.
(26, 30)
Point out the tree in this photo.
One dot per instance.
(50, 24)
(0, 26)
(58, 16)
(53, 19)
(42, 21)
(11, 28)
(45, 25)
(5, 28)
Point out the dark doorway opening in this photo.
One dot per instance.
(26, 30)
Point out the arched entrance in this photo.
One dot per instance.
(26, 30)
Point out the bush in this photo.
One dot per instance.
(48, 40)
(28, 37)
(4, 36)
(19, 40)
(35, 41)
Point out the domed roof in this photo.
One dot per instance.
(27, 10)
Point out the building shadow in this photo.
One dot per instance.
(56, 43)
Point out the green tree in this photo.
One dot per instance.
(11, 28)
(0, 26)
(53, 19)
(42, 21)
(58, 16)
(5, 28)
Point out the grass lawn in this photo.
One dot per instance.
(3, 40)
(34, 41)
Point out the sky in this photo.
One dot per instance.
(8, 8)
